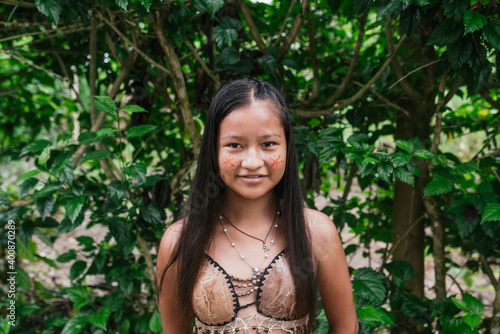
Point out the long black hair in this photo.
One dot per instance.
(200, 212)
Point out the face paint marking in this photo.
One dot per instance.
(276, 161)
(229, 161)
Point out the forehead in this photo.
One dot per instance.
(256, 119)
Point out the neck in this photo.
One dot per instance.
(244, 212)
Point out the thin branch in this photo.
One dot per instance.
(486, 95)
(14, 3)
(354, 60)
(290, 37)
(386, 101)
(314, 58)
(178, 80)
(407, 232)
(253, 28)
(278, 40)
(120, 78)
(25, 62)
(203, 65)
(487, 270)
(93, 68)
(454, 86)
(344, 103)
(416, 70)
(409, 89)
(34, 33)
(126, 40)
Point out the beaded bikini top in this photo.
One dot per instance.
(217, 308)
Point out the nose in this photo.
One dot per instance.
(252, 159)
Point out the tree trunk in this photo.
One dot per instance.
(495, 321)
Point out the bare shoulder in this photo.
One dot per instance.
(168, 241)
(323, 232)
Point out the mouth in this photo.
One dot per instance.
(252, 176)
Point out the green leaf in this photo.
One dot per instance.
(227, 32)
(423, 154)
(79, 295)
(404, 145)
(118, 230)
(105, 103)
(47, 190)
(26, 186)
(36, 146)
(474, 21)
(155, 322)
(23, 280)
(116, 189)
(137, 171)
(77, 269)
(28, 175)
(368, 285)
(45, 205)
(87, 138)
(132, 107)
(73, 207)
(213, 5)
(491, 33)
(439, 185)
(140, 130)
(401, 271)
(151, 214)
(447, 33)
(76, 324)
(491, 213)
(100, 318)
(373, 317)
(85, 240)
(96, 155)
(66, 172)
(385, 170)
(26, 251)
(146, 4)
(401, 158)
(228, 56)
(49, 8)
(106, 131)
(404, 175)
(66, 257)
(122, 4)
(370, 159)
(472, 320)
(465, 168)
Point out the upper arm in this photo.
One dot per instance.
(332, 274)
(167, 296)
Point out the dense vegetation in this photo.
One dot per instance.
(102, 106)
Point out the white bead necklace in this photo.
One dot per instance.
(255, 270)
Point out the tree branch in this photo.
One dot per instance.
(126, 40)
(253, 28)
(120, 78)
(314, 59)
(178, 79)
(278, 40)
(409, 89)
(293, 31)
(203, 65)
(386, 101)
(344, 103)
(354, 60)
(25, 62)
(93, 68)
(34, 33)
(416, 70)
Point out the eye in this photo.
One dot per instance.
(269, 144)
(234, 145)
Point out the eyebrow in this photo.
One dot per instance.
(230, 136)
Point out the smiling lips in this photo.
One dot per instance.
(252, 178)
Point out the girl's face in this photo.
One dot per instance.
(251, 148)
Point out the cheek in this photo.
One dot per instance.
(227, 161)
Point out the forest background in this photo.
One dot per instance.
(396, 105)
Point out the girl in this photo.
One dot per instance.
(247, 257)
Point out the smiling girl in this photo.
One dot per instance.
(247, 257)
